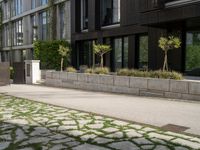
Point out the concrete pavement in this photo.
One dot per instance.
(152, 111)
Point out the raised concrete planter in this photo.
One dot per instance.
(185, 89)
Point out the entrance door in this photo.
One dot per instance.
(192, 65)
(19, 73)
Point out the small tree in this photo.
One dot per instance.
(100, 50)
(64, 52)
(166, 44)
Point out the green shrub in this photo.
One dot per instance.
(152, 74)
(47, 53)
(11, 72)
(101, 70)
(98, 70)
(71, 69)
(89, 70)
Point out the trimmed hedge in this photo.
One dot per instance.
(151, 74)
(47, 53)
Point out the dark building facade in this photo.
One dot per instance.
(133, 28)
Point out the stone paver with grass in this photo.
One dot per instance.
(27, 125)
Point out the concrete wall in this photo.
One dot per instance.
(188, 90)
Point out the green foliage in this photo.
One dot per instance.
(168, 43)
(151, 74)
(100, 50)
(71, 69)
(64, 51)
(11, 72)
(47, 53)
(98, 70)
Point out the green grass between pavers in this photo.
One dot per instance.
(32, 111)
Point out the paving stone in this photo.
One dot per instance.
(147, 129)
(64, 128)
(58, 147)
(160, 136)
(73, 144)
(138, 127)
(40, 131)
(193, 145)
(88, 136)
(161, 147)
(89, 147)
(62, 140)
(124, 146)
(132, 133)
(20, 135)
(120, 123)
(115, 135)
(96, 126)
(180, 148)
(4, 145)
(142, 141)
(6, 137)
(69, 122)
(102, 140)
(147, 147)
(109, 130)
(76, 133)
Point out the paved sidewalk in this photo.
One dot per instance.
(152, 111)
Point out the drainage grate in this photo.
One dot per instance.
(174, 128)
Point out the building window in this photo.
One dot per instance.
(85, 53)
(192, 51)
(143, 52)
(34, 28)
(6, 39)
(18, 33)
(43, 25)
(43, 2)
(17, 7)
(6, 10)
(120, 50)
(62, 21)
(110, 12)
(33, 4)
(84, 14)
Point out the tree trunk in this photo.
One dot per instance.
(101, 64)
(165, 66)
(61, 64)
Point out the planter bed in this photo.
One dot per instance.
(177, 89)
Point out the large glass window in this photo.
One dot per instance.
(86, 53)
(120, 50)
(18, 32)
(110, 12)
(62, 21)
(193, 50)
(43, 25)
(34, 28)
(143, 52)
(33, 4)
(17, 7)
(6, 33)
(84, 14)
(43, 2)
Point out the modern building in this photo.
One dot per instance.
(25, 21)
(133, 28)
